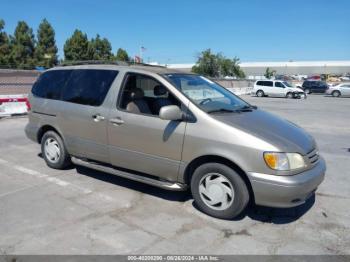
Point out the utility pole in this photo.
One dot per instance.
(140, 54)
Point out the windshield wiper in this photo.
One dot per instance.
(248, 107)
(223, 110)
(238, 110)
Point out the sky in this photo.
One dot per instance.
(177, 31)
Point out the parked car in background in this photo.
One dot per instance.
(277, 88)
(299, 77)
(339, 90)
(174, 131)
(315, 77)
(283, 77)
(333, 79)
(314, 87)
(345, 78)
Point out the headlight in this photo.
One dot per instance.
(284, 161)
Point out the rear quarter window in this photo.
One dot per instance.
(88, 86)
(50, 84)
(264, 83)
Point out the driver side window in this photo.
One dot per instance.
(279, 84)
(142, 94)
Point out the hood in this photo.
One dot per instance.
(281, 133)
(296, 89)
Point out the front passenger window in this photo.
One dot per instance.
(279, 84)
(142, 94)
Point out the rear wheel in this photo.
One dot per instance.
(260, 93)
(54, 151)
(219, 191)
(336, 93)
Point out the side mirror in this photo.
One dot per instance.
(171, 113)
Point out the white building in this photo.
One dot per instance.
(286, 68)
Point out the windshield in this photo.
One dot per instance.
(287, 84)
(206, 94)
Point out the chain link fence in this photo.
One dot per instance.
(17, 81)
(14, 81)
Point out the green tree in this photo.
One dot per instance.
(46, 49)
(269, 73)
(230, 67)
(217, 65)
(23, 46)
(5, 47)
(100, 49)
(77, 48)
(122, 55)
(207, 64)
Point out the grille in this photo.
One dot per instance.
(313, 156)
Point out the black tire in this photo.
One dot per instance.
(260, 93)
(290, 95)
(307, 91)
(63, 160)
(336, 93)
(240, 197)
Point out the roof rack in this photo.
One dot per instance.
(105, 62)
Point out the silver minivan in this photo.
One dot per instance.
(175, 131)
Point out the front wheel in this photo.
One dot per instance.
(219, 191)
(54, 151)
(290, 95)
(336, 94)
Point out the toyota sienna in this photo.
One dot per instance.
(175, 131)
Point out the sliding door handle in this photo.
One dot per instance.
(98, 118)
(116, 121)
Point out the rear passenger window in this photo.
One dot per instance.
(268, 83)
(88, 86)
(50, 84)
(264, 83)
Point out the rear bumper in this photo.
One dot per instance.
(287, 191)
(31, 132)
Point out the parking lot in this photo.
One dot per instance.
(81, 211)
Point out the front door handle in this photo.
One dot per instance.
(116, 121)
(98, 118)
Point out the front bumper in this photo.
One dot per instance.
(287, 191)
(300, 95)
